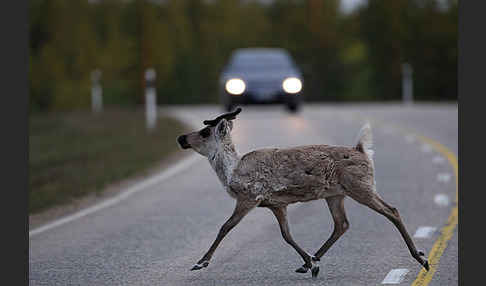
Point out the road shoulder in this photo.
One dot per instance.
(56, 212)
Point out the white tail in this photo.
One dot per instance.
(365, 141)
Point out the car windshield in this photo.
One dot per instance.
(261, 65)
(267, 61)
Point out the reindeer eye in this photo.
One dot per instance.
(205, 132)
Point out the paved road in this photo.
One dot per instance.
(156, 235)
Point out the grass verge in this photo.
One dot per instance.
(74, 154)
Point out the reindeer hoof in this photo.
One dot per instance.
(196, 267)
(302, 269)
(315, 270)
(200, 265)
(426, 265)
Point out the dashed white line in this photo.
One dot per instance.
(424, 232)
(395, 276)
(443, 177)
(438, 160)
(441, 200)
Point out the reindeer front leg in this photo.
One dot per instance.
(281, 215)
(242, 208)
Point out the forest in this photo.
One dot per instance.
(355, 56)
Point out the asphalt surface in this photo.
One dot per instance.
(155, 236)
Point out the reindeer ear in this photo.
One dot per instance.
(222, 128)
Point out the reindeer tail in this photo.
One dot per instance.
(365, 141)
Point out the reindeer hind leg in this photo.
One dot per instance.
(341, 224)
(373, 200)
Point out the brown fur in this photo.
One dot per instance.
(299, 174)
(274, 178)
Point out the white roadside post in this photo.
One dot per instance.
(407, 83)
(150, 99)
(96, 92)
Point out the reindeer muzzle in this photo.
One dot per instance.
(182, 140)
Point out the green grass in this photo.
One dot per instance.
(73, 154)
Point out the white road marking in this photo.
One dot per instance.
(395, 276)
(438, 159)
(443, 177)
(424, 232)
(156, 179)
(441, 200)
(425, 148)
(410, 138)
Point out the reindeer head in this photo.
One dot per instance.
(216, 133)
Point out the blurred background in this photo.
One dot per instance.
(349, 50)
(92, 56)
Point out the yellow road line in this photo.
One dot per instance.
(424, 277)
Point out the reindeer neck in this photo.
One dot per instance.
(224, 161)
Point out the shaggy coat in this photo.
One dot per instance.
(276, 177)
(279, 177)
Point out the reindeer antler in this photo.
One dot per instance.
(227, 116)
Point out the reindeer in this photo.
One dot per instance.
(274, 178)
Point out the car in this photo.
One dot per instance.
(261, 76)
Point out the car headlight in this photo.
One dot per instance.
(292, 85)
(235, 86)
